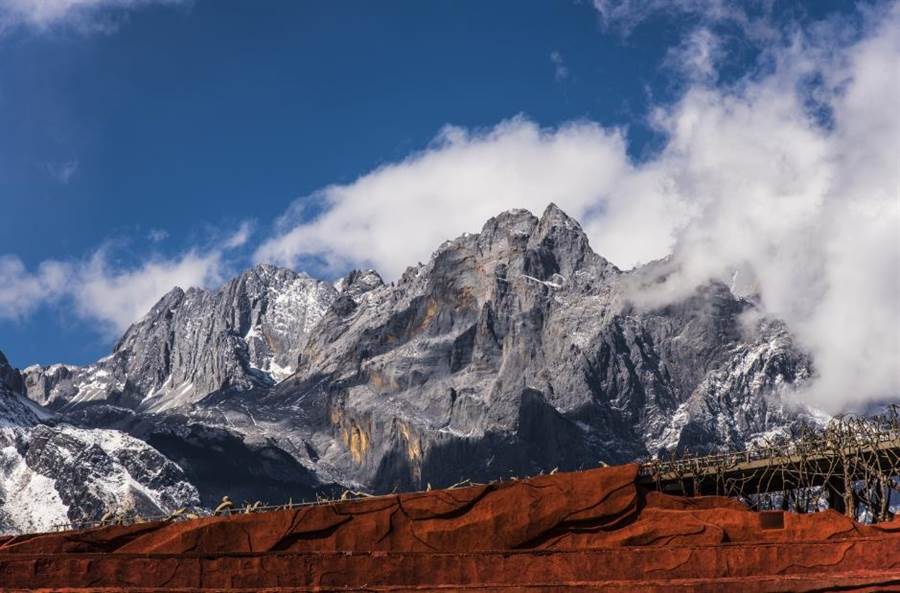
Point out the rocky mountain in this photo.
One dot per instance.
(15, 410)
(53, 473)
(512, 351)
(193, 343)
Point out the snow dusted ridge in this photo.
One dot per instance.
(53, 474)
(277, 333)
(513, 350)
(748, 401)
(247, 335)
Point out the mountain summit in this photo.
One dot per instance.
(511, 351)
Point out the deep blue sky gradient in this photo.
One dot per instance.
(191, 119)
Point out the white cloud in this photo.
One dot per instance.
(22, 292)
(240, 237)
(560, 70)
(752, 177)
(118, 297)
(753, 17)
(113, 295)
(88, 15)
(697, 56)
(397, 214)
(813, 210)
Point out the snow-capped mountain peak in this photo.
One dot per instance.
(247, 334)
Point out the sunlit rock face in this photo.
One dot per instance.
(511, 351)
(247, 334)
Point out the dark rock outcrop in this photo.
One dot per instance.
(10, 378)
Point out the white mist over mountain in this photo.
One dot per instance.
(784, 183)
(789, 178)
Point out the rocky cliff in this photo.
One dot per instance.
(53, 474)
(192, 343)
(512, 351)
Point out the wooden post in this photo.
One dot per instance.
(849, 495)
(835, 496)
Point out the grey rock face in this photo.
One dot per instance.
(54, 474)
(519, 349)
(248, 334)
(15, 410)
(10, 379)
(512, 351)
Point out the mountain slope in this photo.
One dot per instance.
(512, 351)
(52, 473)
(247, 334)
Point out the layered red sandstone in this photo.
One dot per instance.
(587, 531)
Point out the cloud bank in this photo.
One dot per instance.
(397, 214)
(785, 183)
(789, 177)
(111, 295)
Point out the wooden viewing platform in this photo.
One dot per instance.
(836, 462)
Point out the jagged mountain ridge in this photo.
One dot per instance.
(52, 473)
(517, 350)
(247, 334)
(514, 350)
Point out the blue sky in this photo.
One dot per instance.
(145, 143)
(218, 111)
(189, 119)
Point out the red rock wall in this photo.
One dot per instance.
(585, 531)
